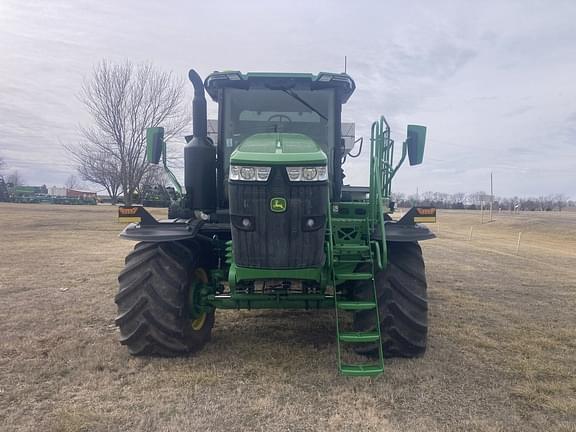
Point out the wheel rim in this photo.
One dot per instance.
(198, 319)
(198, 323)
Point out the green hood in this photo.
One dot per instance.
(278, 149)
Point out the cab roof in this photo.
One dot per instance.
(342, 82)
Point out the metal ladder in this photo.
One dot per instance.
(351, 246)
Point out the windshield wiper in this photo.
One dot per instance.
(303, 102)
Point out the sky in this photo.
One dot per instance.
(494, 81)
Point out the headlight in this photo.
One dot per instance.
(263, 173)
(294, 173)
(249, 173)
(309, 173)
(316, 173)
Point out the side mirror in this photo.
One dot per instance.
(415, 141)
(154, 144)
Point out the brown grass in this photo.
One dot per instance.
(501, 351)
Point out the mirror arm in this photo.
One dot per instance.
(167, 170)
(402, 158)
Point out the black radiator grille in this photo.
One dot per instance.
(278, 240)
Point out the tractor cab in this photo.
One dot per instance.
(279, 151)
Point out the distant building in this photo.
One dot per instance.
(57, 191)
(71, 193)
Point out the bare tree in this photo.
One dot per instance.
(397, 197)
(427, 197)
(477, 198)
(561, 201)
(458, 197)
(99, 168)
(155, 175)
(2, 163)
(123, 100)
(15, 178)
(72, 182)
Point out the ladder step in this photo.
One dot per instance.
(352, 247)
(359, 337)
(355, 204)
(347, 248)
(347, 221)
(356, 305)
(361, 369)
(358, 260)
(354, 276)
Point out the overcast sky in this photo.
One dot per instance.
(495, 82)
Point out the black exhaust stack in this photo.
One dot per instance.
(200, 154)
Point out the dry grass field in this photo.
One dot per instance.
(502, 347)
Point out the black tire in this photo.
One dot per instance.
(153, 312)
(402, 303)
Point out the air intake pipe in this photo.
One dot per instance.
(200, 155)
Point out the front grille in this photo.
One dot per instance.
(278, 240)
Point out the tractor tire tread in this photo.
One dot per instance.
(152, 301)
(401, 290)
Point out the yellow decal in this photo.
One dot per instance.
(127, 211)
(425, 219)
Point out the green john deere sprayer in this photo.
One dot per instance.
(266, 223)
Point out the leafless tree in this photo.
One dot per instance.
(458, 197)
(461, 200)
(427, 197)
(123, 100)
(155, 176)
(72, 182)
(477, 198)
(561, 201)
(98, 167)
(15, 178)
(2, 163)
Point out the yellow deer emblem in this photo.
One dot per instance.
(278, 205)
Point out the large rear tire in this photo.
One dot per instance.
(154, 316)
(402, 303)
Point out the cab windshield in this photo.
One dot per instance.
(248, 112)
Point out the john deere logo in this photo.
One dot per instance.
(278, 205)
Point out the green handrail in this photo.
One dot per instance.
(381, 173)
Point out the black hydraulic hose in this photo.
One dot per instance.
(361, 139)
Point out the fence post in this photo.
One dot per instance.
(518, 242)
(470, 234)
